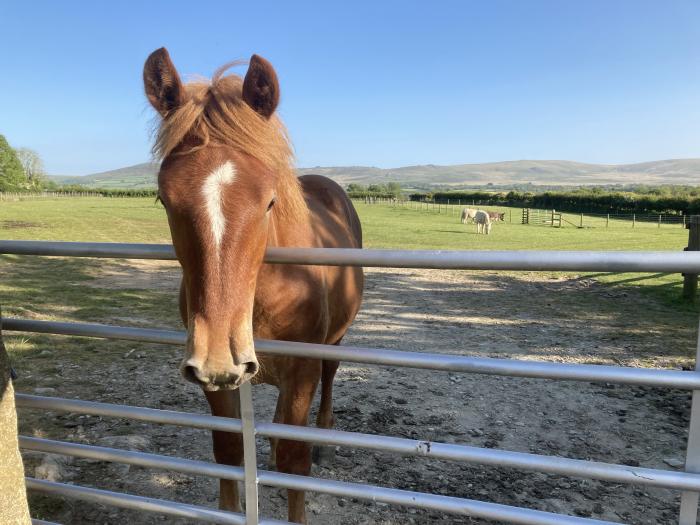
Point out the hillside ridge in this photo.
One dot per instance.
(538, 172)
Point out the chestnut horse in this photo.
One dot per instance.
(230, 191)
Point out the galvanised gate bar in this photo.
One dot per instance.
(688, 481)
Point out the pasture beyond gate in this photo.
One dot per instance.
(687, 481)
(538, 216)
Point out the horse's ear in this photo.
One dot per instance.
(163, 87)
(261, 90)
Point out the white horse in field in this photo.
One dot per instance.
(467, 213)
(483, 222)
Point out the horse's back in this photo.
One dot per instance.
(334, 217)
(482, 217)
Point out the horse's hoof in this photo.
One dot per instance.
(323, 456)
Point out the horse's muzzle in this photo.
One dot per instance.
(221, 380)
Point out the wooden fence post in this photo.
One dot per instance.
(659, 221)
(581, 226)
(690, 280)
(607, 220)
(634, 219)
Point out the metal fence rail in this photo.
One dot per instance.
(380, 356)
(449, 504)
(525, 260)
(409, 447)
(129, 501)
(687, 481)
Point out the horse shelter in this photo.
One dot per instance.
(687, 481)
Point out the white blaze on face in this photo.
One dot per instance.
(213, 192)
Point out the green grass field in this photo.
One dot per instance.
(85, 219)
(143, 220)
(408, 228)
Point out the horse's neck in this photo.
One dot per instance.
(290, 233)
(270, 304)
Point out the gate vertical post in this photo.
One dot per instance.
(689, 500)
(690, 280)
(250, 459)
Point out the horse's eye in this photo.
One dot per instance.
(272, 203)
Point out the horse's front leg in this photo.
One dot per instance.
(228, 446)
(273, 440)
(324, 454)
(294, 457)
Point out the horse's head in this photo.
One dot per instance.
(225, 163)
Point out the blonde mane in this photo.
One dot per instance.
(215, 112)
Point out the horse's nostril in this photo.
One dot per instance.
(251, 368)
(189, 372)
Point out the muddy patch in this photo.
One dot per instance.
(136, 273)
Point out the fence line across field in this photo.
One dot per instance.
(535, 216)
(24, 196)
(688, 481)
(13, 196)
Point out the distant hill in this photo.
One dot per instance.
(539, 172)
(137, 176)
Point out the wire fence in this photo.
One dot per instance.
(687, 481)
(538, 217)
(9, 196)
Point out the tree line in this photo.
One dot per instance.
(107, 192)
(383, 191)
(20, 169)
(679, 200)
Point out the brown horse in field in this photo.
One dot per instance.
(230, 191)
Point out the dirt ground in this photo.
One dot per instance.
(526, 316)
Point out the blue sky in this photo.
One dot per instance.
(369, 83)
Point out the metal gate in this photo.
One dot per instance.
(542, 217)
(688, 481)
